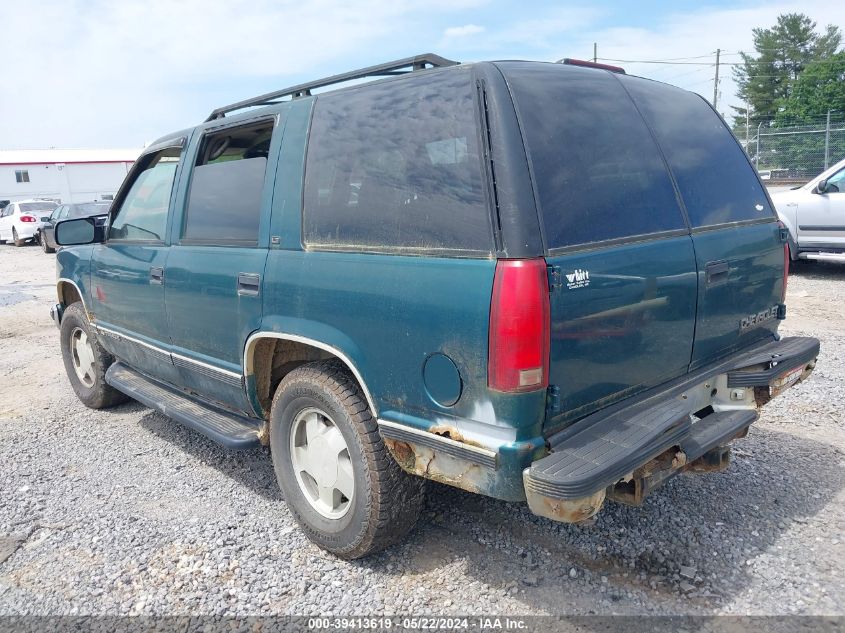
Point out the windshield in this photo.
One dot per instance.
(29, 207)
(88, 209)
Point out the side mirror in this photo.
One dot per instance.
(78, 231)
(46, 218)
(822, 186)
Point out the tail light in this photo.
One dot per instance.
(569, 61)
(786, 259)
(27, 218)
(518, 353)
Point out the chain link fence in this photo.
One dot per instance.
(795, 153)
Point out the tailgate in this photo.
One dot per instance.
(738, 250)
(739, 289)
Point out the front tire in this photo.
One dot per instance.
(341, 484)
(86, 361)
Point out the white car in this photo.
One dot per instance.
(815, 216)
(20, 221)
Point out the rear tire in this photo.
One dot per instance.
(15, 239)
(44, 246)
(358, 501)
(86, 361)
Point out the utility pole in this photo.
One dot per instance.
(757, 155)
(827, 141)
(747, 125)
(716, 79)
(595, 52)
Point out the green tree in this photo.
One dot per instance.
(821, 87)
(766, 80)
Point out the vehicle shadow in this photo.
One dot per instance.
(725, 526)
(822, 271)
(717, 524)
(251, 468)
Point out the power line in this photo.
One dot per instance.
(674, 63)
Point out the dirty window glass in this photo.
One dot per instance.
(716, 181)
(598, 172)
(143, 213)
(396, 166)
(224, 203)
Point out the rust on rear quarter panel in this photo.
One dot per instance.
(440, 467)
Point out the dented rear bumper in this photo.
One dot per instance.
(622, 452)
(626, 452)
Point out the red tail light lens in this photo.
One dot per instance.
(786, 259)
(27, 218)
(518, 354)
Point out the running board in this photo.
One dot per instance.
(227, 429)
(824, 257)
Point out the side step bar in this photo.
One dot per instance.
(824, 257)
(227, 429)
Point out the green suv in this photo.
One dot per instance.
(552, 283)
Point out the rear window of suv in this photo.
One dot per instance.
(715, 179)
(396, 167)
(28, 207)
(597, 171)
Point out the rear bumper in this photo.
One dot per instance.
(627, 451)
(26, 230)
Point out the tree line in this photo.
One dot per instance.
(795, 76)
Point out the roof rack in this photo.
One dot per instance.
(398, 67)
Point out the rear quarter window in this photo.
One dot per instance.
(597, 171)
(396, 167)
(715, 179)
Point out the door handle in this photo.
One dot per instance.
(716, 272)
(157, 275)
(249, 284)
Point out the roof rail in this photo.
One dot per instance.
(398, 67)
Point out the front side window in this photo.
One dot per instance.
(87, 209)
(396, 166)
(836, 183)
(598, 172)
(143, 213)
(224, 203)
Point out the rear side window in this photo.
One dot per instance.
(716, 182)
(224, 203)
(396, 166)
(597, 170)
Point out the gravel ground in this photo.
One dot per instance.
(125, 512)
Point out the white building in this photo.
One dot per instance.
(64, 175)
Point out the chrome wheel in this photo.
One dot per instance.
(82, 354)
(321, 463)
